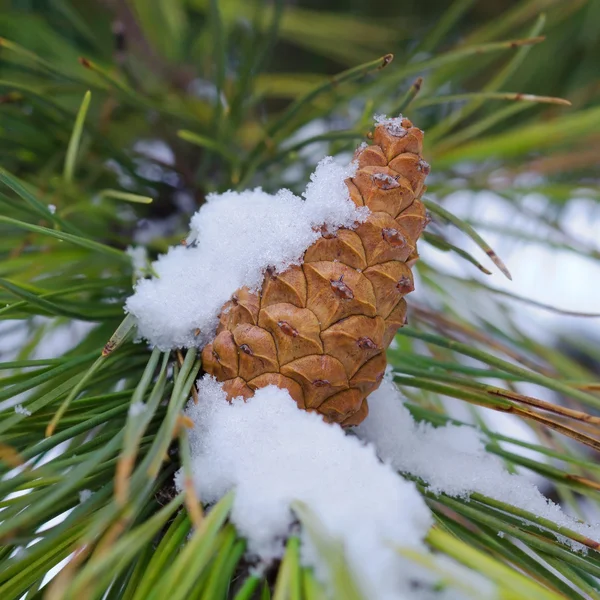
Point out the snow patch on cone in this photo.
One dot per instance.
(234, 238)
(392, 124)
(274, 454)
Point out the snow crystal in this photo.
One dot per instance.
(52, 208)
(234, 237)
(385, 179)
(273, 454)
(453, 460)
(392, 124)
(21, 410)
(139, 260)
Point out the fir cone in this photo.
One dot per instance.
(320, 330)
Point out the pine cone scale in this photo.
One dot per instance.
(345, 246)
(320, 329)
(319, 375)
(337, 291)
(296, 331)
(354, 340)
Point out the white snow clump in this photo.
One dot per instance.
(453, 460)
(234, 237)
(273, 454)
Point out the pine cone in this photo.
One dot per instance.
(320, 330)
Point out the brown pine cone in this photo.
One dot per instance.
(320, 330)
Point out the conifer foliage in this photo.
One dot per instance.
(118, 119)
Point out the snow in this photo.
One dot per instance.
(453, 460)
(272, 454)
(21, 410)
(392, 124)
(540, 272)
(234, 237)
(386, 179)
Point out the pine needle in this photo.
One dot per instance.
(75, 141)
